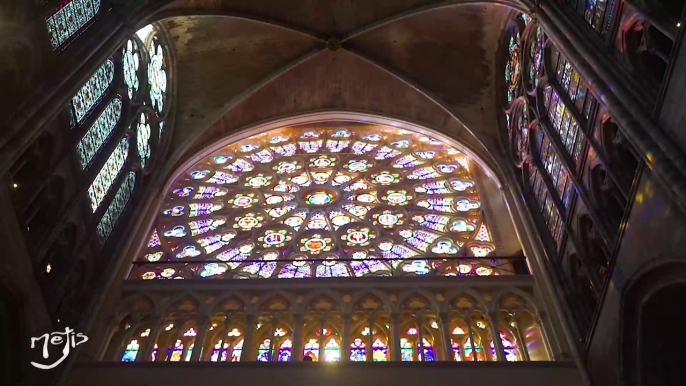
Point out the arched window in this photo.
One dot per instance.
(98, 114)
(406, 351)
(358, 351)
(311, 349)
(70, 18)
(597, 14)
(325, 203)
(379, 351)
(285, 351)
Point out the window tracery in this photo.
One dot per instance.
(360, 210)
(69, 18)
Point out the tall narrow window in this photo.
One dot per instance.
(108, 174)
(69, 18)
(92, 92)
(111, 217)
(96, 137)
(597, 13)
(143, 139)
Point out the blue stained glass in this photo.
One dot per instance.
(363, 147)
(419, 239)
(131, 352)
(292, 271)
(91, 93)
(436, 222)
(261, 268)
(69, 18)
(358, 351)
(99, 133)
(110, 218)
(335, 270)
(203, 208)
(436, 187)
(157, 75)
(429, 355)
(337, 146)
(108, 174)
(386, 152)
(364, 267)
(397, 254)
(233, 257)
(285, 150)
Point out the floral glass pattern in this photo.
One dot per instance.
(131, 62)
(143, 139)
(368, 216)
(157, 75)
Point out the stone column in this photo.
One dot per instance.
(149, 345)
(470, 332)
(495, 333)
(419, 319)
(203, 325)
(447, 346)
(247, 340)
(370, 340)
(395, 337)
(520, 337)
(297, 354)
(322, 340)
(345, 338)
(104, 345)
(540, 322)
(127, 338)
(272, 345)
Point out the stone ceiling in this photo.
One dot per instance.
(243, 62)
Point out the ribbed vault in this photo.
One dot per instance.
(239, 63)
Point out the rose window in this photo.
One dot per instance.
(342, 202)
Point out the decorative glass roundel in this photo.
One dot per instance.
(326, 202)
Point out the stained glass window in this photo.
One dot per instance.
(99, 133)
(332, 351)
(108, 174)
(597, 13)
(131, 62)
(575, 87)
(143, 139)
(69, 18)
(263, 351)
(131, 351)
(406, 351)
(326, 214)
(110, 218)
(535, 56)
(285, 351)
(379, 351)
(565, 124)
(545, 203)
(358, 351)
(311, 349)
(92, 92)
(513, 68)
(157, 75)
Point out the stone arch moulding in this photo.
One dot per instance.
(487, 162)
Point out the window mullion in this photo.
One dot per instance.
(583, 125)
(561, 211)
(569, 166)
